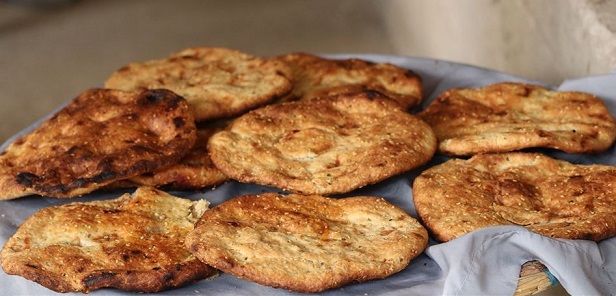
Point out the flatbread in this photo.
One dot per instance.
(512, 116)
(324, 145)
(194, 171)
(101, 136)
(307, 243)
(216, 82)
(317, 76)
(548, 196)
(133, 243)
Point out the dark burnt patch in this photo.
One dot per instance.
(27, 179)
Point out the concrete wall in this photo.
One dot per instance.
(545, 40)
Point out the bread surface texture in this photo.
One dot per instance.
(193, 172)
(316, 76)
(307, 243)
(323, 146)
(509, 116)
(101, 136)
(552, 197)
(217, 82)
(133, 243)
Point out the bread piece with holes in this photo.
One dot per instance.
(307, 243)
(316, 76)
(509, 116)
(548, 196)
(101, 136)
(133, 243)
(324, 145)
(216, 82)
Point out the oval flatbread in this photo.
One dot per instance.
(548, 196)
(512, 116)
(133, 243)
(323, 146)
(102, 136)
(316, 76)
(216, 82)
(307, 243)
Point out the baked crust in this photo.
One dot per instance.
(194, 171)
(324, 145)
(133, 243)
(216, 82)
(512, 116)
(548, 196)
(307, 243)
(103, 135)
(316, 76)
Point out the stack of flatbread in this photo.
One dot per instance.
(504, 183)
(311, 126)
(314, 128)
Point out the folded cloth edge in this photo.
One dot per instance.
(489, 260)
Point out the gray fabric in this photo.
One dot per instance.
(484, 262)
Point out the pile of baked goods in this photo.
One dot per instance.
(316, 130)
(505, 184)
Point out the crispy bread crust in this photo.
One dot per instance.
(101, 136)
(511, 116)
(323, 146)
(307, 243)
(133, 243)
(194, 171)
(549, 196)
(216, 82)
(316, 76)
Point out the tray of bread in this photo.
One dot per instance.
(214, 171)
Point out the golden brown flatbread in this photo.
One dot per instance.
(324, 145)
(103, 135)
(316, 76)
(194, 171)
(133, 243)
(216, 82)
(548, 196)
(307, 243)
(512, 116)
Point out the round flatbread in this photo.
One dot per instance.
(323, 146)
(505, 117)
(133, 243)
(100, 137)
(316, 76)
(548, 196)
(216, 82)
(307, 243)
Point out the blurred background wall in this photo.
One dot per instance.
(545, 40)
(51, 50)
